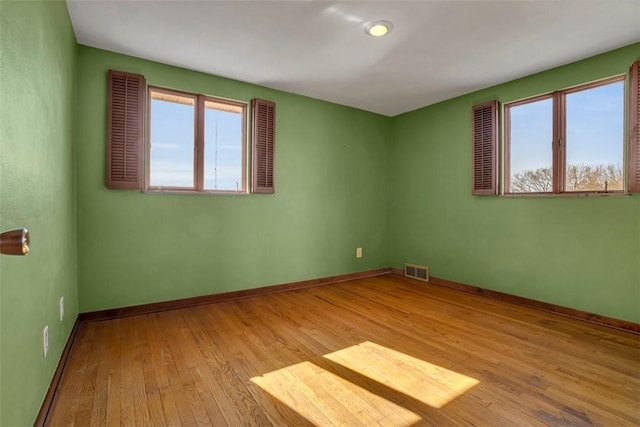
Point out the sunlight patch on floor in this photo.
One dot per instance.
(326, 399)
(431, 384)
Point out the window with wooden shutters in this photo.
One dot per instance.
(634, 128)
(125, 126)
(485, 148)
(263, 145)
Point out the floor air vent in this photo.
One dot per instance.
(416, 272)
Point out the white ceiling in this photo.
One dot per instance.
(436, 51)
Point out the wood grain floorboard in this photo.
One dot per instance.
(380, 351)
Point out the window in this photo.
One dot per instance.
(568, 141)
(195, 142)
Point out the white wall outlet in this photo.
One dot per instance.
(358, 252)
(45, 341)
(61, 308)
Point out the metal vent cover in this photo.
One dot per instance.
(416, 272)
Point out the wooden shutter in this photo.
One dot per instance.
(125, 126)
(263, 115)
(634, 128)
(485, 148)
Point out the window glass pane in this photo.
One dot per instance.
(595, 138)
(223, 147)
(172, 140)
(530, 147)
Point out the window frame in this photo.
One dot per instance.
(198, 143)
(558, 143)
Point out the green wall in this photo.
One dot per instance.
(332, 195)
(579, 252)
(37, 191)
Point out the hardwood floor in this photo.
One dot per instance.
(380, 351)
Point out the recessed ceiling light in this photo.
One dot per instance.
(379, 28)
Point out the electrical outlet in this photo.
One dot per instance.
(358, 252)
(45, 341)
(61, 308)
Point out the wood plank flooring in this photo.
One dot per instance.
(382, 351)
